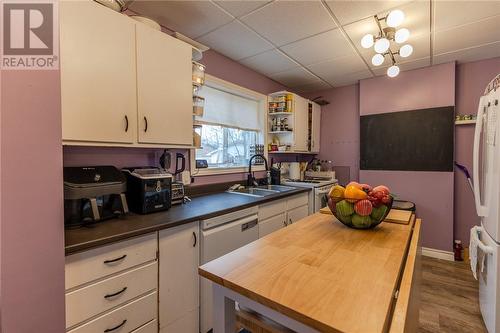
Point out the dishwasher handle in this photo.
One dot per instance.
(249, 225)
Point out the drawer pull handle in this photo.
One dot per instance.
(126, 123)
(195, 239)
(116, 327)
(145, 124)
(115, 260)
(115, 294)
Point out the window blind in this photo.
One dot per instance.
(230, 110)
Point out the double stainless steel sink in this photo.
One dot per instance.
(261, 191)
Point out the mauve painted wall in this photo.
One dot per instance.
(217, 65)
(471, 79)
(340, 127)
(432, 192)
(32, 237)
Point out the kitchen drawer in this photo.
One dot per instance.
(297, 201)
(151, 327)
(272, 224)
(91, 300)
(272, 209)
(136, 313)
(91, 265)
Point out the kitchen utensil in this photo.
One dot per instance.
(165, 160)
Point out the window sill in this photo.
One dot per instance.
(224, 171)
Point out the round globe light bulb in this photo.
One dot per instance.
(393, 71)
(406, 50)
(378, 59)
(367, 41)
(395, 18)
(382, 45)
(402, 35)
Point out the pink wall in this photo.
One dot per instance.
(432, 192)
(472, 78)
(32, 244)
(340, 127)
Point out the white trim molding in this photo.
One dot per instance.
(438, 254)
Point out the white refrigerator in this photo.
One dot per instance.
(486, 237)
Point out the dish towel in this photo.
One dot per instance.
(473, 251)
(476, 254)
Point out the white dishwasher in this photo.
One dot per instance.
(219, 236)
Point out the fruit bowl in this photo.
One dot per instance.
(360, 206)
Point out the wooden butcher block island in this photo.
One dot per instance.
(318, 275)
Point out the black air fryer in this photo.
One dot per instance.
(149, 189)
(92, 194)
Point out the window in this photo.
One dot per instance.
(231, 125)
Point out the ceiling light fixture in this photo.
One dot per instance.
(388, 36)
(395, 18)
(402, 35)
(393, 71)
(378, 59)
(382, 45)
(367, 41)
(405, 50)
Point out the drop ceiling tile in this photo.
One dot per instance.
(314, 86)
(333, 70)
(269, 62)
(283, 22)
(235, 41)
(191, 18)
(294, 77)
(450, 14)
(405, 66)
(351, 78)
(241, 7)
(471, 54)
(465, 36)
(353, 10)
(327, 45)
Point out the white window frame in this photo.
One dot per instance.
(234, 89)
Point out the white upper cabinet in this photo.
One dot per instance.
(122, 82)
(316, 127)
(164, 88)
(98, 85)
(301, 124)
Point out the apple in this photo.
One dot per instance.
(386, 199)
(381, 188)
(355, 184)
(361, 221)
(378, 212)
(344, 208)
(363, 207)
(365, 187)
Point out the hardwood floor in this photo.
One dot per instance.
(449, 298)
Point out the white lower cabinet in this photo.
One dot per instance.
(297, 214)
(113, 288)
(272, 224)
(151, 327)
(131, 316)
(281, 213)
(178, 279)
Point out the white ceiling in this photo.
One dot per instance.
(313, 45)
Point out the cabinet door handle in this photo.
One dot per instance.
(284, 223)
(115, 260)
(115, 294)
(145, 124)
(126, 123)
(289, 221)
(195, 239)
(116, 327)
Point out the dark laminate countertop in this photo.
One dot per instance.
(201, 207)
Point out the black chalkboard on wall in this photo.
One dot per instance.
(417, 140)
